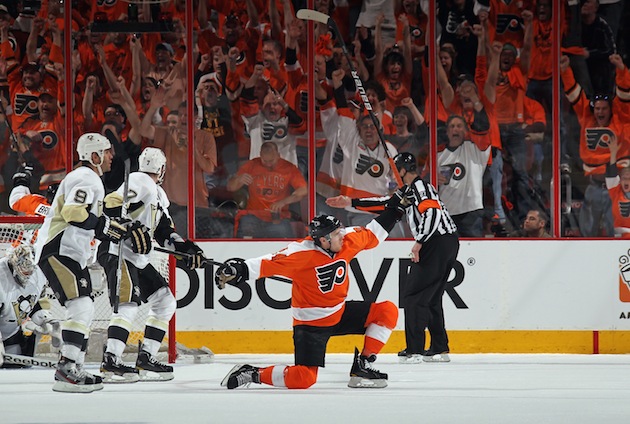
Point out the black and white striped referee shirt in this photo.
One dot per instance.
(428, 215)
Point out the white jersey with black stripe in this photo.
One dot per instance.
(147, 204)
(80, 191)
(428, 216)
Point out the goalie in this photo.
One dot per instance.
(141, 282)
(22, 306)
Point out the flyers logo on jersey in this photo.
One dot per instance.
(372, 166)
(331, 274)
(598, 138)
(508, 23)
(271, 131)
(25, 104)
(50, 139)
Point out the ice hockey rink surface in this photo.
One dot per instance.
(471, 389)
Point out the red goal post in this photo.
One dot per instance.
(16, 229)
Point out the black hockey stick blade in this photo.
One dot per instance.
(175, 253)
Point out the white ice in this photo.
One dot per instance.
(471, 389)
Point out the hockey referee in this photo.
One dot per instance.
(436, 235)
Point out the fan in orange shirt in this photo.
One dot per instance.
(273, 184)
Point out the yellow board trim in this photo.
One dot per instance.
(576, 342)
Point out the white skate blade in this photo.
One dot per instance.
(155, 376)
(113, 378)
(411, 359)
(227, 377)
(62, 386)
(365, 383)
(439, 357)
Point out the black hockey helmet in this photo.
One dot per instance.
(51, 191)
(405, 161)
(322, 225)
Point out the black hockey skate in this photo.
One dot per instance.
(406, 357)
(241, 375)
(70, 380)
(97, 380)
(150, 369)
(115, 371)
(432, 355)
(363, 375)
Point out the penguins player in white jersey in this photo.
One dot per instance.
(21, 303)
(141, 282)
(63, 250)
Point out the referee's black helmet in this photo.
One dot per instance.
(322, 225)
(405, 161)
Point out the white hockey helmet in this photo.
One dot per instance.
(153, 161)
(22, 262)
(93, 143)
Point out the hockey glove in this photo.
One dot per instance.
(196, 259)
(42, 322)
(23, 176)
(140, 237)
(111, 229)
(233, 270)
(399, 200)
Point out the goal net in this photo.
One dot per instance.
(24, 230)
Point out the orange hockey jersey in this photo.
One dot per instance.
(320, 282)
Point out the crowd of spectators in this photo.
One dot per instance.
(250, 141)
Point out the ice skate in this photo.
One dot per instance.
(150, 369)
(363, 375)
(241, 375)
(97, 380)
(436, 356)
(70, 380)
(115, 371)
(412, 358)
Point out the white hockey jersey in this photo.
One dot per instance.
(81, 190)
(365, 172)
(17, 302)
(147, 203)
(261, 130)
(463, 192)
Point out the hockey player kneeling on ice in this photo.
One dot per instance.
(318, 268)
(141, 282)
(21, 305)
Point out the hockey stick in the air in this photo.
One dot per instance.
(10, 358)
(123, 214)
(314, 15)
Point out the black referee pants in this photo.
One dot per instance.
(423, 291)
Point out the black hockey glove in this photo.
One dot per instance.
(140, 237)
(196, 259)
(233, 270)
(23, 176)
(399, 200)
(111, 229)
